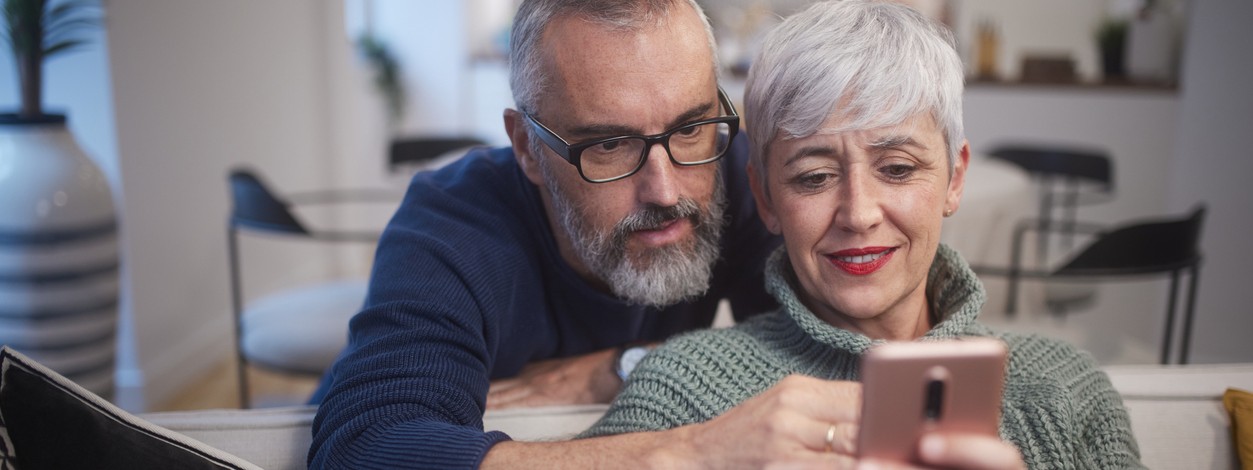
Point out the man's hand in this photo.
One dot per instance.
(590, 378)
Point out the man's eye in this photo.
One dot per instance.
(609, 146)
(688, 131)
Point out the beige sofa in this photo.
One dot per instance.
(1176, 414)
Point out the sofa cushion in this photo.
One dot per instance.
(49, 422)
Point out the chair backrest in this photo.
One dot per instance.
(1139, 248)
(423, 149)
(255, 206)
(1069, 163)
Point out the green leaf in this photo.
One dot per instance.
(63, 46)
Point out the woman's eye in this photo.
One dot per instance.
(813, 180)
(897, 172)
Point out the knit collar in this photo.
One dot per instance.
(953, 290)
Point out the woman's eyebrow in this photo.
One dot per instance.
(809, 151)
(896, 141)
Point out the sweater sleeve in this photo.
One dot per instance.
(651, 400)
(1104, 419)
(409, 391)
(1061, 410)
(685, 381)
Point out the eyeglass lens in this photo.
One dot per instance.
(689, 145)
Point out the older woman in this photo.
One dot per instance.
(854, 110)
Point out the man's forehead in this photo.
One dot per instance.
(640, 77)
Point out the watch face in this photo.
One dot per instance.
(630, 358)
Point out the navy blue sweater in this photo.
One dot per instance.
(468, 286)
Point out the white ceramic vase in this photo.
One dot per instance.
(58, 253)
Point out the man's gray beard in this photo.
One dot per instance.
(665, 276)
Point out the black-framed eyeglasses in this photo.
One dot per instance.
(614, 158)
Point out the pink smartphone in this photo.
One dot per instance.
(913, 388)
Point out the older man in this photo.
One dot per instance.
(621, 215)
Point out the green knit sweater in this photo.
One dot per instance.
(1059, 409)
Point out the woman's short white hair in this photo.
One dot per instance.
(527, 77)
(876, 63)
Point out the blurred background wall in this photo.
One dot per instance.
(173, 94)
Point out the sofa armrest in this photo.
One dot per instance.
(271, 438)
(279, 438)
(1177, 414)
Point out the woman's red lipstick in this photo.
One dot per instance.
(862, 261)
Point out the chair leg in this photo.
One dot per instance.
(1011, 293)
(232, 239)
(1069, 209)
(1188, 315)
(1167, 337)
(245, 399)
(1046, 222)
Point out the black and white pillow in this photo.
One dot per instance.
(49, 422)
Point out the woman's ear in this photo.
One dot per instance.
(515, 126)
(762, 198)
(958, 181)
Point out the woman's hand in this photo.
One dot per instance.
(968, 451)
(801, 422)
(787, 426)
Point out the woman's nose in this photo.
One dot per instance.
(860, 208)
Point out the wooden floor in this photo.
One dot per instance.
(220, 389)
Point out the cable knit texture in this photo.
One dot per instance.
(1059, 409)
(469, 286)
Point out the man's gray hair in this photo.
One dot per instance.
(874, 63)
(527, 77)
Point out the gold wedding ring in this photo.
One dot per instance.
(830, 437)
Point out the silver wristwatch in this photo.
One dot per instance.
(629, 358)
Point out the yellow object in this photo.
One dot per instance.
(988, 44)
(1239, 404)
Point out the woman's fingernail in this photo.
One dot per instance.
(933, 447)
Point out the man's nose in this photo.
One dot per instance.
(657, 181)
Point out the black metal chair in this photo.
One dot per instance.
(417, 151)
(1157, 247)
(1067, 178)
(265, 333)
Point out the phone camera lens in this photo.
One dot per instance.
(935, 400)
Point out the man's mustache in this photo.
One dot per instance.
(654, 217)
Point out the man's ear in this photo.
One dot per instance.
(515, 126)
(764, 209)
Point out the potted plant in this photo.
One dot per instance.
(58, 230)
(1111, 39)
(36, 30)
